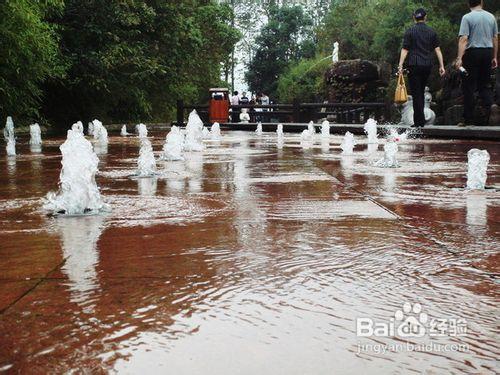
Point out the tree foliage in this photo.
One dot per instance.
(131, 60)
(304, 80)
(118, 60)
(29, 54)
(373, 30)
(286, 37)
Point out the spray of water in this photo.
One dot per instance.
(194, 133)
(306, 139)
(77, 127)
(393, 133)
(146, 163)
(390, 156)
(100, 133)
(123, 131)
(11, 146)
(348, 144)
(35, 135)
(371, 131)
(258, 131)
(215, 133)
(325, 129)
(78, 192)
(307, 136)
(174, 145)
(477, 168)
(9, 135)
(90, 129)
(142, 130)
(8, 131)
(311, 128)
(206, 133)
(281, 136)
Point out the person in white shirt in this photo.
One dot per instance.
(235, 100)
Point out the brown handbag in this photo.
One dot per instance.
(401, 95)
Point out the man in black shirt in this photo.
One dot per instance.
(419, 42)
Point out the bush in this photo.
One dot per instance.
(304, 80)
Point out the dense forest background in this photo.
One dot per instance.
(130, 60)
(117, 60)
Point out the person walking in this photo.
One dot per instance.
(419, 43)
(477, 56)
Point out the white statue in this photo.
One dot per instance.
(244, 116)
(407, 112)
(430, 116)
(335, 54)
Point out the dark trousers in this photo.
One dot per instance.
(417, 78)
(235, 116)
(477, 62)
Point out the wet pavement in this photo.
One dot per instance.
(248, 259)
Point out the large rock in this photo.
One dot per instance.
(357, 81)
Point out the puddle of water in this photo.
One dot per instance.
(267, 255)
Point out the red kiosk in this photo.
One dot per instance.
(218, 109)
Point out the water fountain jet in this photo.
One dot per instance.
(215, 133)
(8, 131)
(77, 127)
(258, 131)
(142, 130)
(100, 133)
(11, 147)
(390, 155)
(325, 129)
(78, 192)
(146, 163)
(194, 133)
(35, 135)
(123, 131)
(478, 161)
(371, 131)
(206, 133)
(348, 144)
(90, 129)
(281, 136)
(174, 144)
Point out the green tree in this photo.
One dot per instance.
(304, 80)
(287, 37)
(373, 29)
(131, 60)
(29, 54)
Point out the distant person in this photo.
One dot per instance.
(235, 100)
(264, 99)
(258, 109)
(477, 54)
(419, 43)
(244, 99)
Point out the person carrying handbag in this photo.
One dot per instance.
(419, 43)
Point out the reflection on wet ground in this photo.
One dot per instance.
(250, 259)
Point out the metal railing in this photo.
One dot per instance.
(345, 113)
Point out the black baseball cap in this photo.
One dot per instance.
(420, 14)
